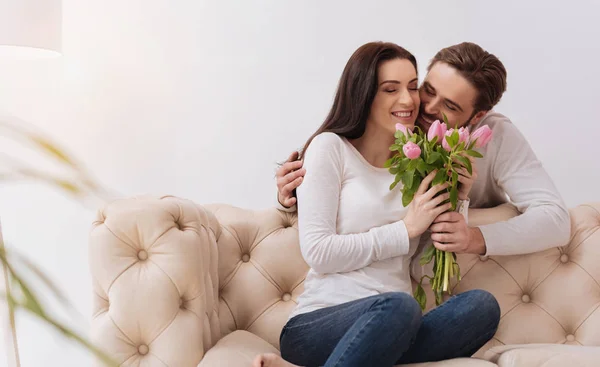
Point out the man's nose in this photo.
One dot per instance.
(432, 107)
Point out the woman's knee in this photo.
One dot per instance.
(401, 306)
(485, 305)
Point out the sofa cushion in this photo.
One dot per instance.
(547, 355)
(239, 348)
(236, 349)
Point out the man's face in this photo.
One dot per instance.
(445, 91)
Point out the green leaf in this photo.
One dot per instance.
(390, 162)
(454, 197)
(393, 170)
(422, 167)
(461, 147)
(439, 178)
(474, 153)
(454, 178)
(433, 157)
(403, 164)
(456, 271)
(427, 255)
(407, 178)
(420, 297)
(412, 164)
(395, 147)
(454, 138)
(466, 163)
(394, 184)
(407, 198)
(416, 183)
(445, 118)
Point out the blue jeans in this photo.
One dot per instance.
(389, 329)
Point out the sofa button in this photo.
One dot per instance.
(180, 302)
(564, 258)
(286, 297)
(143, 349)
(483, 258)
(246, 258)
(525, 298)
(142, 255)
(571, 337)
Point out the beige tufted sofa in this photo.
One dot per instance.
(180, 284)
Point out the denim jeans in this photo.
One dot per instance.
(389, 329)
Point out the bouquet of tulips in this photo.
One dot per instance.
(417, 155)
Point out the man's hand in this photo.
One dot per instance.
(289, 177)
(450, 232)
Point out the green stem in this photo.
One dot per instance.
(445, 288)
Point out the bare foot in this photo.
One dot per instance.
(271, 360)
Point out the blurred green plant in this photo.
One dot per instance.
(76, 183)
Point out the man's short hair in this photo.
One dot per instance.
(482, 69)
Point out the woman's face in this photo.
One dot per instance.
(397, 99)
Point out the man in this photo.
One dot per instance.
(465, 82)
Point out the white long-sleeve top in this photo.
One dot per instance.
(510, 171)
(350, 225)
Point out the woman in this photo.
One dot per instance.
(358, 238)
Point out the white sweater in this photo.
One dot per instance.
(510, 172)
(350, 224)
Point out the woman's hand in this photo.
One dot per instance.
(425, 206)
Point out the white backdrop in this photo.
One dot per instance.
(200, 99)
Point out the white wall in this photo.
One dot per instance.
(200, 99)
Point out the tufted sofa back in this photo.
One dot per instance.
(546, 297)
(172, 277)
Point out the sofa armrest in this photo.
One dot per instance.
(154, 270)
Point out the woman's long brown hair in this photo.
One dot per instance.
(357, 89)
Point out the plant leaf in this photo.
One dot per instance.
(422, 167)
(427, 255)
(420, 297)
(454, 138)
(439, 178)
(407, 198)
(412, 164)
(474, 153)
(52, 149)
(433, 157)
(454, 197)
(466, 163)
(407, 179)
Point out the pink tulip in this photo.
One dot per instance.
(483, 136)
(437, 129)
(403, 128)
(411, 150)
(463, 135)
(445, 144)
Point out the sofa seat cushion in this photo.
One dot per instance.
(236, 349)
(546, 355)
(241, 347)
